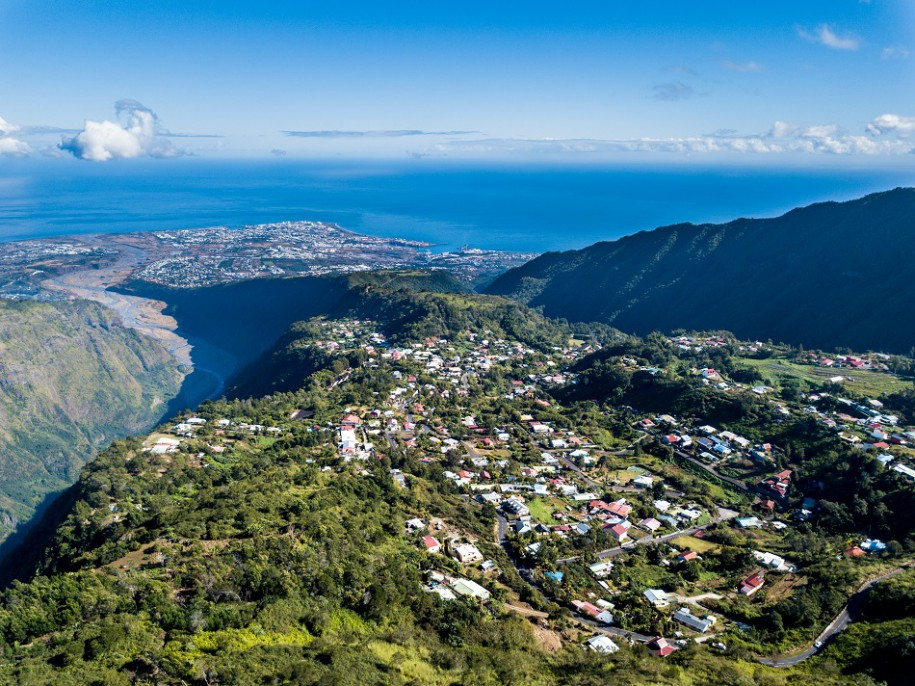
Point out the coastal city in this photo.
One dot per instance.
(195, 258)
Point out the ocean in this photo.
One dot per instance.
(522, 207)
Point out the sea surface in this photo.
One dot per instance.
(523, 207)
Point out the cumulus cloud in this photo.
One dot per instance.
(674, 90)
(742, 67)
(886, 135)
(136, 133)
(894, 52)
(893, 124)
(825, 35)
(10, 145)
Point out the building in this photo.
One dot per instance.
(601, 644)
(751, 584)
(700, 624)
(467, 553)
(656, 597)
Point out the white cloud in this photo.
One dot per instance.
(825, 35)
(886, 135)
(135, 134)
(8, 144)
(894, 52)
(894, 124)
(742, 67)
(6, 128)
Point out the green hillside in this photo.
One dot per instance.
(828, 275)
(252, 550)
(72, 379)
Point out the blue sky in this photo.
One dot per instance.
(717, 80)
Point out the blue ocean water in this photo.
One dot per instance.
(529, 207)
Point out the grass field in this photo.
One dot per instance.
(692, 543)
(862, 381)
(623, 476)
(542, 509)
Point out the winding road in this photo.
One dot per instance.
(845, 617)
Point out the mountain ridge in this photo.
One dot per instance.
(814, 275)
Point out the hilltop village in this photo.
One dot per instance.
(608, 525)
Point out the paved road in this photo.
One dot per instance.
(711, 470)
(723, 515)
(501, 530)
(610, 630)
(845, 617)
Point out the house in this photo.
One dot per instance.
(657, 597)
(432, 545)
(414, 524)
(601, 615)
(601, 569)
(619, 532)
(620, 508)
(751, 584)
(906, 471)
(688, 556)
(650, 524)
(467, 553)
(643, 481)
(601, 644)
(703, 624)
(773, 561)
(516, 507)
(661, 647)
(748, 522)
(470, 588)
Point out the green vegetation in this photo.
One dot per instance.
(806, 286)
(265, 539)
(73, 380)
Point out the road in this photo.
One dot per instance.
(845, 617)
(723, 515)
(501, 530)
(611, 630)
(711, 470)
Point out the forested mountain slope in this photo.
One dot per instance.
(827, 275)
(72, 379)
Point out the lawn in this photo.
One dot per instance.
(624, 476)
(693, 543)
(542, 509)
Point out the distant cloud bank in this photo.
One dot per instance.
(888, 134)
(136, 134)
(391, 133)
